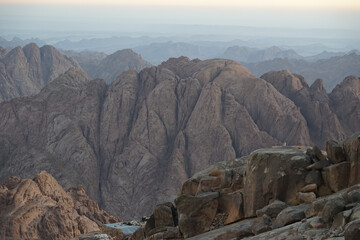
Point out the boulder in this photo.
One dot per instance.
(196, 213)
(335, 152)
(277, 173)
(331, 208)
(261, 224)
(314, 177)
(272, 210)
(164, 215)
(336, 177)
(307, 197)
(352, 230)
(290, 215)
(352, 154)
(232, 204)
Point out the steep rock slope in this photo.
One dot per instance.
(314, 104)
(24, 71)
(113, 65)
(42, 209)
(132, 143)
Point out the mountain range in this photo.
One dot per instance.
(133, 142)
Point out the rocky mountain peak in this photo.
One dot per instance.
(41, 209)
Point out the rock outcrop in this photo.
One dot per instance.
(132, 143)
(25, 71)
(274, 181)
(41, 209)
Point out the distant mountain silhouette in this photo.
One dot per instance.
(330, 70)
(247, 54)
(19, 42)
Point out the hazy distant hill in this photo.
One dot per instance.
(247, 54)
(25, 71)
(88, 60)
(330, 70)
(19, 42)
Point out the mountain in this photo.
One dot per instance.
(40, 208)
(132, 143)
(250, 55)
(113, 65)
(19, 42)
(87, 60)
(330, 70)
(25, 71)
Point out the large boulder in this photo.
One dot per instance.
(196, 213)
(336, 177)
(276, 173)
(352, 154)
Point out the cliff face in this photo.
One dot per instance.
(41, 209)
(132, 143)
(25, 71)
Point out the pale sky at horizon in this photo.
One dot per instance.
(307, 4)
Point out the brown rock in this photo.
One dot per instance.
(341, 219)
(232, 204)
(41, 209)
(290, 215)
(314, 177)
(273, 174)
(196, 213)
(309, 188)
(336, 177)
(307, 197)
(335, 152)
(352, 154)
(164, 215)
(352, 230)
(331, 208)
(272, 210)
(261, 224)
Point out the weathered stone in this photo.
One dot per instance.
(272, 210)
(336, 177)
(138, 234)
(316, 223)
(189, 187)
(166, 233)
(318, 165)
(331, 208)
(232, 203)
(261, 224)
(352, 154)
(209, 184)
(307, 197)
(238, 230)
(149, 226)
(290, 215)
(354, 196)
(196, 213)
(164, 215)
(314, 177)
(42, 209)
(341, 219)
(309, 188)
(273, 174)
(318, 154)
(335, 152)
(352, 230)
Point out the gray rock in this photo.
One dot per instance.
(290, 215)
(272, 210)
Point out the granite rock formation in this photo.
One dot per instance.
(272, 184)
(41, 209)
(25, 71)
(132, 143)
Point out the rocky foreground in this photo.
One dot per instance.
(41, 209)
(274, 193)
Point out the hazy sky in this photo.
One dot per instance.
(117, 15)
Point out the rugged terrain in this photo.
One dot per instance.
(330, 70)
(40, 208)
(108, 67)
(132, 143)
(274, 193)
(25, 71)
